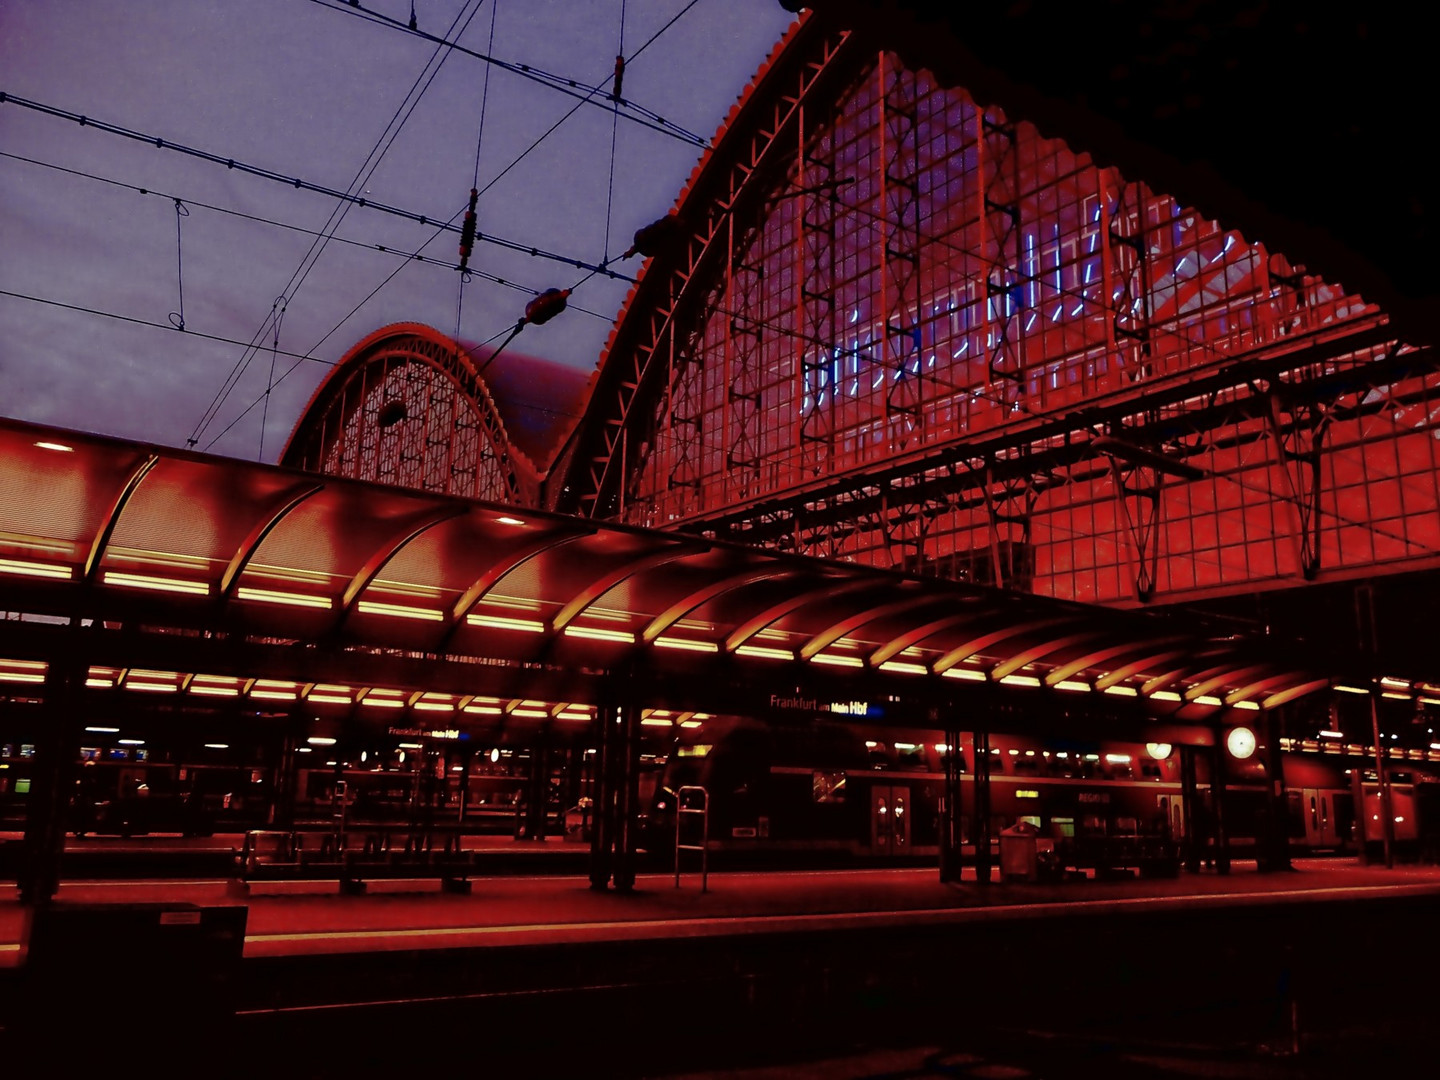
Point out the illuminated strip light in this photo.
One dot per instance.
(131, 742)
(411, 746)
(1208, 699)
(1019, 680)
(1396, 684)
(690, 723)
(1424, 700)
(484, 710)
(320, 740)
(1252, 706)
(599, 633)
(568, 715)
(1351, 689)
(910, 669)
(531, 714)
(1394, 696)
(500, 622)
(21, 676)
(217, 746)
(656, 722)
(56, 446)
(35, 569)
(157, 584)
(1164, 695)
(686, 643)
(837, 660)
(434, 706)
(1332, 734)
(104, 730)
(214, 691)
(274, 695)
(401, 611)
(1071, 684)
(1118, 759)
(764, 653)
(100, 684)
(328, 699)
(969, 674)
(383, 702)
(273, 596)
(1122, 691)
(154, 688)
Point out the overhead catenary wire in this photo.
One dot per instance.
(196, 204)
(338, 212)
(177, 318)
(467, 230)
(447, 225)
(571, 87)
(494, 180)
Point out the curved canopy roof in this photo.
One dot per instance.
(249, 554)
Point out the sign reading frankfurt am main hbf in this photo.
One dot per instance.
(815, 705)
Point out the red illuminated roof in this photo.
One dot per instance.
(129, 534)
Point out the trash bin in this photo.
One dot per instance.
(1019, 853)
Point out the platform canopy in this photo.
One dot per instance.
(170, 572)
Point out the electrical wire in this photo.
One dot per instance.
(157, 325)
(261, 220)
(570, 87)
(422, 219)
(342, 208)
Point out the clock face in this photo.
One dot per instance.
(1240, 742)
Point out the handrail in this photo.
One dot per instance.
(704, 846)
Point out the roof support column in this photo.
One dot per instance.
(617, 791)
(1275, 854)
(980, 827)
(1218, 766)
(951, 832)
(54, 779)
(1192, 837)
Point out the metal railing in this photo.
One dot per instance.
(703, 810)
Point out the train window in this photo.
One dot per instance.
(828, 787)
(1028, 819)
(1063, 827)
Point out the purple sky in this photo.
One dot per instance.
(292, 87)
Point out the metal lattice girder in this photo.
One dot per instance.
(851, 221)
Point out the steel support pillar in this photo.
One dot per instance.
(627, 802)
(982, 807)
(1217, 805)
(53, 783)
(607, 752)
(951, 832)
(1275, 855)
(1190, 805)
(282, 809)
(538, 790)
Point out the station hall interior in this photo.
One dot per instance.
(1014, 461)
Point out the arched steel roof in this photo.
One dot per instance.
(119, 532)
(409, 404)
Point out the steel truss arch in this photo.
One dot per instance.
(408, 405)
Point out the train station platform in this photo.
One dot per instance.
(760, 956)
(308, 917)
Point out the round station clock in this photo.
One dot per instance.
(1240, 742)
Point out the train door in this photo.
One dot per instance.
(1323, 824)
(889, 819)
(1172, 811)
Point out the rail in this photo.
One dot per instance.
(703, 811)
